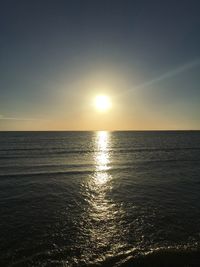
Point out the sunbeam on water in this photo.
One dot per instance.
(103, 231)
(102, 157)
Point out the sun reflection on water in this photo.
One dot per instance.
(102, 157)
(103, 216)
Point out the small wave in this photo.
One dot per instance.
(162, 257)
(26, 153)
(172, 257)
(162, 149)
(59, 151)
(89, 169)
(47, 173)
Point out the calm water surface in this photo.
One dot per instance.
(99, 198)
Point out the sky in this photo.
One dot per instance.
(57, 56)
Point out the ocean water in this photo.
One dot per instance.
(100, 198)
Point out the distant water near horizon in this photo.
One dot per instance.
(100, 198)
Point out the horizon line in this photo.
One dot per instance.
(130, 130)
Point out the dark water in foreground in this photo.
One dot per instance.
(107, 198)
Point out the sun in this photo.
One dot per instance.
(102, 103)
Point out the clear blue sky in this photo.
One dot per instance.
(57, 55)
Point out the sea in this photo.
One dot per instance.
(121, 198)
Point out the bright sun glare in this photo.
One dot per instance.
(102, 103)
